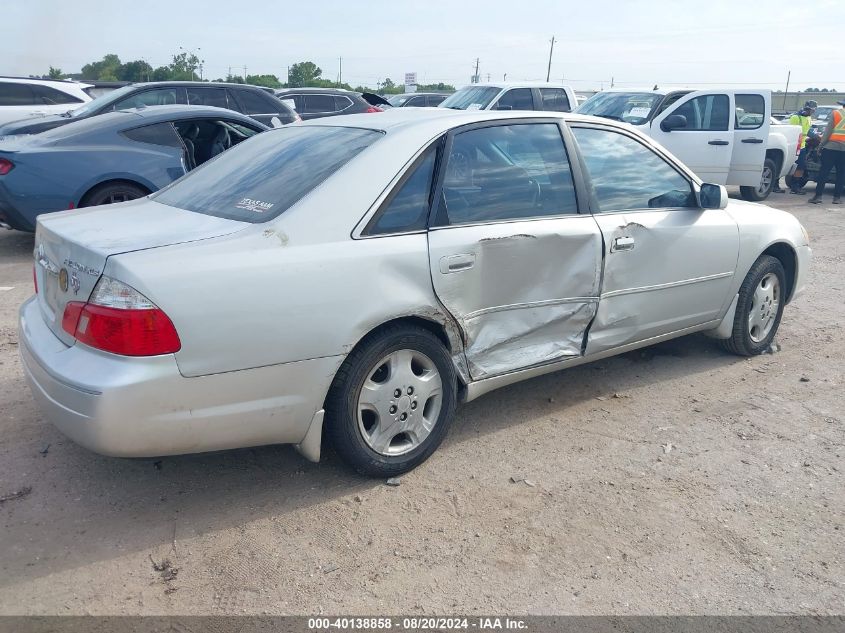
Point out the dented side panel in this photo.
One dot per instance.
(523, 292)
(665, 270)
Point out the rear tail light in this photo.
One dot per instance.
(120, 320)
(6, 166)
(374, 109)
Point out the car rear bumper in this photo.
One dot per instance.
(142, 407)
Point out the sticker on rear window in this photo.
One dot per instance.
(254, 205)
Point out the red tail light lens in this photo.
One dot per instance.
(6, 166)
(120, 320)
(374, 109)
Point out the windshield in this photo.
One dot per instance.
(471, 98)
(823, 112)
(631, 107)
(99, 102)
(262, 177)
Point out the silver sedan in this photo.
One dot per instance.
(361, 276)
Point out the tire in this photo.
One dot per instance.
(767, 182)
(759, 308)
(366, 426)
(113, 192)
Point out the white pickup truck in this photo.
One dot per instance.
(724, 136)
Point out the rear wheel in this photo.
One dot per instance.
(392, 401)
(113, 192)
(759, 308)
(767, 182)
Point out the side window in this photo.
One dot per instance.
(516, 99)
(299, 103)
(16, 95)
(341, 103)
(434, 100)
(158, 134)
(407, 207)
(507, 172)
(555, 99)
(315, 104)
(627, 175)
(417, 102)
(208, 97)
(51, 96)
(750, 112)
(157, 97)
(253, 103)
(706, 113)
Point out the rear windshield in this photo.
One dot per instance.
(264, 176)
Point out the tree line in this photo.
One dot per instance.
(186, 66)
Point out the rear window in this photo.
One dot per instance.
(261, 178)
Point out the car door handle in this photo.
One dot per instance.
(718, 143)
(622, 244)
(752, 140)
(457, 263)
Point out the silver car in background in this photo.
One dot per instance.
(362, 275)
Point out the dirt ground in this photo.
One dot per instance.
(673, 480)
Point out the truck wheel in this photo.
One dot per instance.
(767, 182)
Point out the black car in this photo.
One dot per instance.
(313, 103)
(417, 99)
(253, 101)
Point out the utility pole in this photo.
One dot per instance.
(551, 50)
(475, 76)
(340, 72)
(244, 74)
(788, 75)
(488, 78)
(611, 81)
(505, 78)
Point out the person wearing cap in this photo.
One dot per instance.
(833, 155)
(803, 118)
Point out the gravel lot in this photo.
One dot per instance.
(675, 479)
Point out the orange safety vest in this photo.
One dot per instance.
(838, 133)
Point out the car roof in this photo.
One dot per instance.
(59, 83)
(439, 120)
(194, 84)
(505, 85)
(417, 94)
(182, 111)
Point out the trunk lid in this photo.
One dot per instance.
(71, 247)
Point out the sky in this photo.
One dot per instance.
(634, 43)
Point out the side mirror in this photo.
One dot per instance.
(712, 196)
(673, 122)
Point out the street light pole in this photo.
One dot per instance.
(551, 50)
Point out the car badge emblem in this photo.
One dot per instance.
(74, 283)
(63, 279)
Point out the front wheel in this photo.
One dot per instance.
(767, 182)
(759, 308)
(392, 401)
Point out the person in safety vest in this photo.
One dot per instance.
(833, 155)
(804, 119)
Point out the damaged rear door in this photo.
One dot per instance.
(668, 263)
(511, 258)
